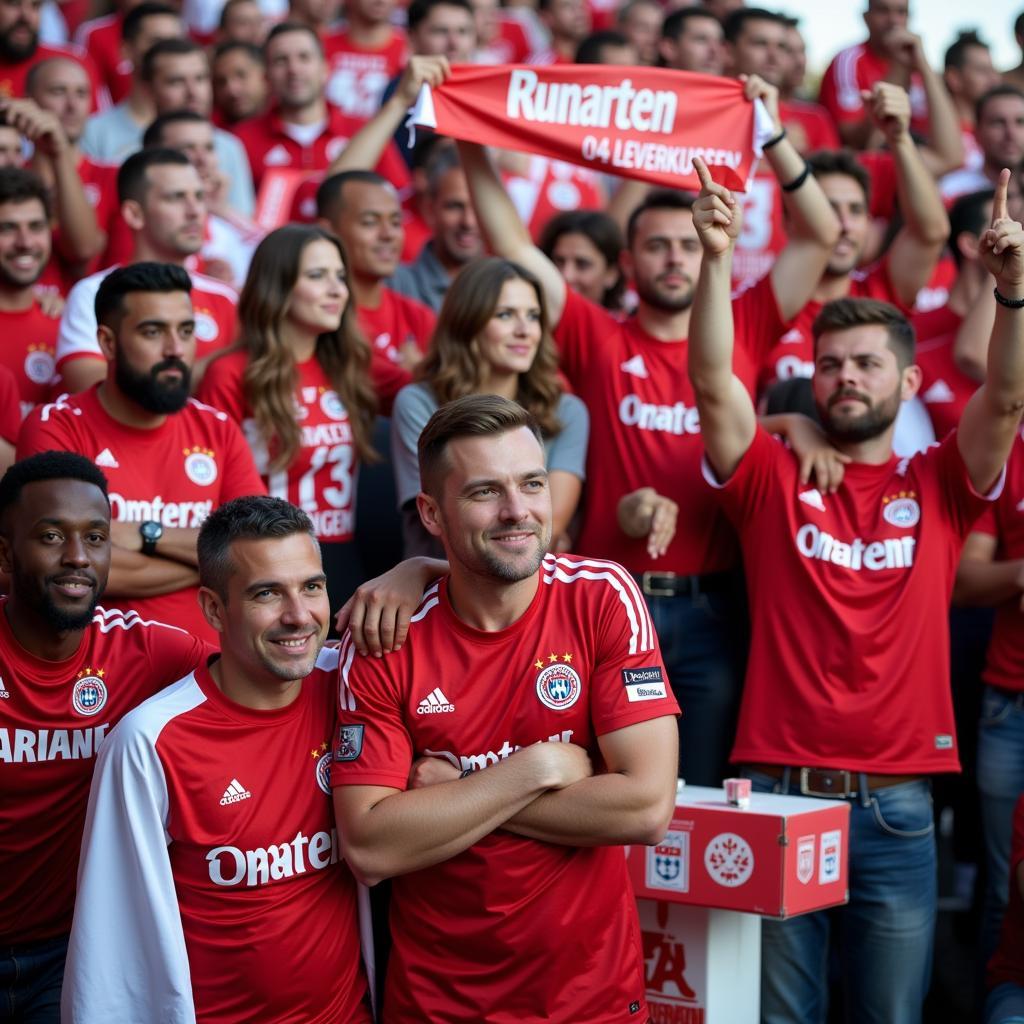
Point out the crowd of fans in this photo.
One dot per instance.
(228, 268)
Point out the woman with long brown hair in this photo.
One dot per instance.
(299, 383)
(492, 337)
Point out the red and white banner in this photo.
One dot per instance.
(646, 123)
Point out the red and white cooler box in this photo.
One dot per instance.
(719, 865)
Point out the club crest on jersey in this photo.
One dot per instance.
(323, 768)
(330, 406)
(206, 328)
(558, 685)
(350, 743)
(200, 466)
(89, 694)
(39, 364)
(901, 509)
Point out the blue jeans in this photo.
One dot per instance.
(30, 981)
(1005, 1004)
(885, 932)
(704, 643)
(1000, 783)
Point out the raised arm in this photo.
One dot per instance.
(386, 832)
(990, 421)
(505, 233)
(367, 146)
(918, 244)
(727, 417)
(812, 227)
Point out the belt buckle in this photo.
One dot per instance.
(828, 783)
(652, 589)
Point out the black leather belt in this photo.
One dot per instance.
(668, 584)
(832, 782)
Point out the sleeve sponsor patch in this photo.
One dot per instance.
(350, 743)
(644, 683)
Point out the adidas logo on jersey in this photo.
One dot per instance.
(277, 157)
(635, 367)
(940, 391)
(792, 337)
(107, 460)
(235, 793)
(813, 498)
(435, 703)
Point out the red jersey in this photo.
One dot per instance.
(268, 144)
(13, 74)
(763, 234)
(29, 351)
(321, 478)
(1005, 521)
(945, 388)
(389, 328)
(550, 187)
(510, 46)
(53, 717)
(211, 843)
(101, 38)
(358, 76)
(177, 474)
(213, 305)
(850, 607)
(792, 354)
(645, 429)
(859, 67)
(100, 183)
(1007, 963)
(809, 125)
(511, 930)
(10, 407)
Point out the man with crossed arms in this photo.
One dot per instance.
(849, 596)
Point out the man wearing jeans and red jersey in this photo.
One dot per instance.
(847, 692)
(462, 766)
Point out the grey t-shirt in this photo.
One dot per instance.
(415, 404)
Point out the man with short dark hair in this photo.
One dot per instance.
(163, 205)
(170, 460)
(568, 23)
(239, 83)
(606, 46)
(241, 21)
(70, 671)
(999, 131)
(863, 669)
(691, 40)
(441, 781)
(362, 209)
(640, 22)
(210, 852)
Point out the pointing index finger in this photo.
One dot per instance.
(999, 209)
(703, 173)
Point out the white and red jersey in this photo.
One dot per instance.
(511, 930)
(175, 474)
(29, 351)
(210, 876)
(809, 125)
(213, 305)
(792, 354)
(357, 75)
(54, 715)
(849, 656)
(645, 428)
(945, 388)
(268, 145)
(1005, 521)
(390, 328)
(859, 67)
(550, 187)
(101, 38)
(763, 235)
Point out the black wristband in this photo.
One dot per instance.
(1008, 303)
(465, 772)
(792, 186)
(774, 140)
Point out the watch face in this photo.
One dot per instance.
(151, 531)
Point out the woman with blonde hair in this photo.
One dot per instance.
(492, 337)
(299, 383)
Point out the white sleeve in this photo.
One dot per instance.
(77, 333)
(126, 959)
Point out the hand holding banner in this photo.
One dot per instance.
(637, 122)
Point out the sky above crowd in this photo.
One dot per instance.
(829, 26)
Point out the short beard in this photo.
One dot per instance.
(16, 54)
(8, 280)
(146, 389)
(650, 295)
(510, 573)
(871, 424)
